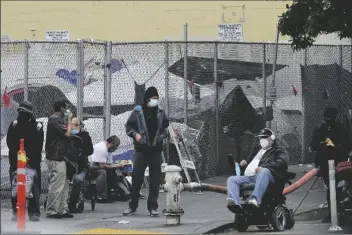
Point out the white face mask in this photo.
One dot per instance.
(264, 143)
(153, 103)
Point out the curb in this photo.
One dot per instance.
(220, 228)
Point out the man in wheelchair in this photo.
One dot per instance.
(267, 167)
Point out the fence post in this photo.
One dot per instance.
(167, 101)
(80, 78)
(185, 73)
(216, 82)
(26, 70)
(333, 203)
(342, 109)
(107, 89)
(304, 113)
(264, 82)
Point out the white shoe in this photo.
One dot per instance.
(253, 202)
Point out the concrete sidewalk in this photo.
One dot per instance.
(202, 213)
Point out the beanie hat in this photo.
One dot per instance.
(149, 93)
(25, 106)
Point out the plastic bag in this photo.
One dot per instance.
(30, 173)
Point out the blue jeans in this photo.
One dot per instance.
(261, 180)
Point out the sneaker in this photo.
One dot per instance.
(67, 215)
(253, 202)
(129, 211)
(153, 213)
(54, 216)
(233, 207)
(34, 218)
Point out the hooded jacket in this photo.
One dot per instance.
(32, 133)
(150, 123)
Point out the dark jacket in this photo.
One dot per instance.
(338, 135)
(56, 141)
(33, 135)
(136, 124)
(87, 148)
(276, 160)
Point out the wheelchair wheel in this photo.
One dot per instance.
(241, 223)
(290, 220)
(278, 219)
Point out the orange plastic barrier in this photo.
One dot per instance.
(21, 187)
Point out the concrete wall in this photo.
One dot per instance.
(139, 21)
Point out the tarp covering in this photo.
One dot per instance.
(236, 110)
(201, 69)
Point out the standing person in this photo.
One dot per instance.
(27, 128)
(57, 140)
(102, 160)
(341, 145)
(83, 163)
(147, 125)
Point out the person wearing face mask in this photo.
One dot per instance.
(83, 163)
(267, 165)
(147, 126)
(105, 169)
(27, 128)
(342, 145)
(57, 140)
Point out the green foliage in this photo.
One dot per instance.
(304, 20)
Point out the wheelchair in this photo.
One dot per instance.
(272, 213)
(88, 191)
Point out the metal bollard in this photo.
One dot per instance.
(333, 205)
(173, 187)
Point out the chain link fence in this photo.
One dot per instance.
(207, 89)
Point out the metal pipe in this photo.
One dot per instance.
(107, 71)
(216, 82)
(26, 70)
(273, 88)
(264, 82)
(185, 74)
(80, 79)
(167, 100)
(333, 204)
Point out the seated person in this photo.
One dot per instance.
(83, 164)
(102, 161)
(266, 166)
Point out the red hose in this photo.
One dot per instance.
(287, 190)
(300, 182)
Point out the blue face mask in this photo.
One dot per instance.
(73, 132)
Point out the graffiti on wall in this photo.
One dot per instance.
(92, 65)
